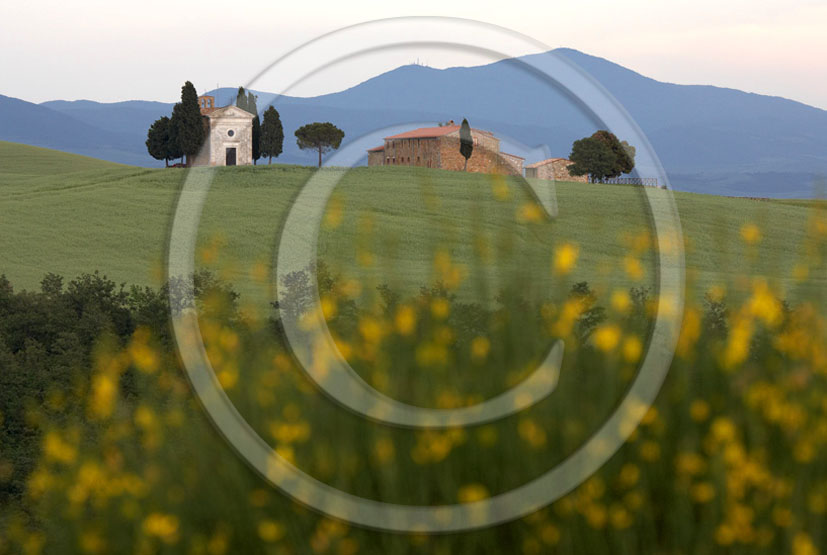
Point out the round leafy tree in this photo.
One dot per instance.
(321, 137)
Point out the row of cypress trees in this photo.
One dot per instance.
(183, 134)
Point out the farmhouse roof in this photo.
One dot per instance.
(379, 148)
(546, 161)
(433, 132)
(426, 132)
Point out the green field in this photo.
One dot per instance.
(69, 214)
(105, 448)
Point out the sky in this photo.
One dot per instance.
(110, 50)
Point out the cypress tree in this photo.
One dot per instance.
(272, 135)
(187, 123)
(466, 142)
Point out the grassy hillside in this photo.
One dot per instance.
(69, 214)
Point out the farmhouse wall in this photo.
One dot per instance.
(422, 152)
(554, 169)
(484, 157)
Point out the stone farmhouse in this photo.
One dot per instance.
(554, 169)
(229, 140)
(438, 147)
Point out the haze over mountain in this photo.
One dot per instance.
(710, 139)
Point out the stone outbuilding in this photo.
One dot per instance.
(438, 147)
(554, 169)
(229, 140)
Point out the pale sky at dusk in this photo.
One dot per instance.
(110, 51)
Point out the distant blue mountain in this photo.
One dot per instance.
(710, 139)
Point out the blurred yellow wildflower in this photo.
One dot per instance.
(270, 530)
(383, 450)
(58, 449)
(531, 432)
(699, 410)
(620, 301)
(472, 492)
(440, 308)
(632, 348)
(499, 187)
(803, 545)
(606, 337)
(750, 234)
(565, 258)
(550, 534)
(620, 517)
(530, 212)
(405, 320)
(702, 492)
(633, 267)
(649, 451)
(164, 526)
(480, 346)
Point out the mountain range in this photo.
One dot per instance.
(710, 139)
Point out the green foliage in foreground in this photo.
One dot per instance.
(106, 450)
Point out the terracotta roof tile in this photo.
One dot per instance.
(377, 148)
(426, 132)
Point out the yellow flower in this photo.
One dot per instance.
(699, 410)
(530, 212)
(629, 475)
(164, 526)
(632, 348)
(702, 492)
(690, 332)
(57, 449)
(405, 320)
(472, 492)
(737, 348)
(723, 430)
(633, 267)
(383, 450)
(763, 304)
(620, 301)
(531, 432)
(371, 329)
(333, 214)
(620, 517)
(649, 451)
(595, 515)
(270, 530)
(440, 308)
(690, 464)
(500, 187)
(480, 346)
(606, 337)
(724, 534)
(750, 234)
(550, 534)
(329, 307)
(565, 258)
(803, 545)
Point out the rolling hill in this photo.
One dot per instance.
(69, 214)
(710, 139)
